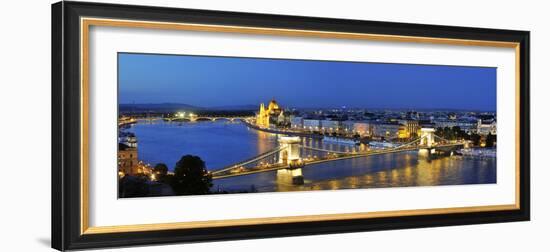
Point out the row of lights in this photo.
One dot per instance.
(182, 114)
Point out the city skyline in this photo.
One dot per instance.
(209, 82)
(245, 107)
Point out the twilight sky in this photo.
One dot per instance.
(223, 81)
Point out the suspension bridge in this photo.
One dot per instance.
(291, 156)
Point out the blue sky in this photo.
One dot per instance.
(226, 81)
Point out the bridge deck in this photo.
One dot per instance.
(250, 160)
(349, 156)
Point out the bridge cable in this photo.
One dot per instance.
(248, 161)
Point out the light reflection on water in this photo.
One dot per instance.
(220, 144)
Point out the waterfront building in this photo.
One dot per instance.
(311, 124)
(403, 133)
(297, 122)
(486, 127)
(465, 125)
(363, 128)
(127, 159)
(409, 129)
(126, 121)
(266, 116)
(386, 129)
(262, 119)
(330, 126)
(347, 127)
(127, 138)
(281, 118)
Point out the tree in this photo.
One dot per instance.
(457, 132)
(476, 139)
(161, 170)
(454, 133)
(132, 186)
(191, 176)
(490, 140)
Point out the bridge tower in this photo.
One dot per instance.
(426, 142)
(290, 149)
(290, 155)
(427, 137)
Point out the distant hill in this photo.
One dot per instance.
(235, 107)
(156, 107)
(171, 107)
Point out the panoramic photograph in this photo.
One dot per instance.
(202, 125)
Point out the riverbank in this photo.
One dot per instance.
(479, 152)
(284, 132)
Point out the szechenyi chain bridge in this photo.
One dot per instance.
(288, 156)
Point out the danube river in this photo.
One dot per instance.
(223, 143)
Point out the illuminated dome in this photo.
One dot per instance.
(273, 105)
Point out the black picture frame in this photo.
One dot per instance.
(66, 124)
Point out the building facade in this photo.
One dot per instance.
(462, 124)
(331, 126)
(128, 138)
(312, 124)
(266, 116)
(297, 122)
(486, 127)
(408, 129)
(127, 159)
(386, 130)
(364, 129)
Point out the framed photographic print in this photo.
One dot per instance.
(179, 125)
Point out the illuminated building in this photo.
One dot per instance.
(297, 122)
(281, 118)
(263, 118)
(466, 125)
(452, 116)
(347, 126)
(330, 126)
(363, 128)
(486, 127)
(311, 124)
(403, 132)
(387, 130)
(127, 159)
(409, 129)
(127, 138)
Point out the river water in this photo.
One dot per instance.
(223, 143)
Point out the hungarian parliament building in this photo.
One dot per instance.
(268, 115)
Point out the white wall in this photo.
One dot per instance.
(25, 142)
